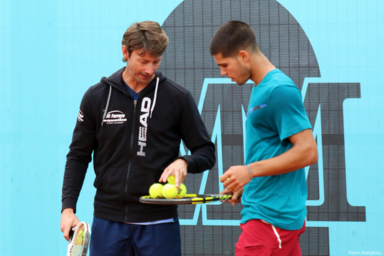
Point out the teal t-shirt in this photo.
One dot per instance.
(275, 112)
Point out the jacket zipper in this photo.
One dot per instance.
(129, 165)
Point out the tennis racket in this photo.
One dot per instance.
(187, 199)
(79, 240)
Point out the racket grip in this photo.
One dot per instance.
(71, 233)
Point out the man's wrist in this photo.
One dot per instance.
(250, 171)
(68, 210)
(252, 167)
(185, 161)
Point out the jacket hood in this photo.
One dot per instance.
(116, 81)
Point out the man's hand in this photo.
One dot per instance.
(68, 220)
(236, 177)
(236, 197)
(177, 168)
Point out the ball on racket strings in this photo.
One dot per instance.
(80, 238)
(156, 190)
(169, 191)
(182, 191)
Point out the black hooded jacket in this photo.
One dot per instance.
(132, 142)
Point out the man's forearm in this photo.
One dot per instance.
(203, 158)
(72, 184)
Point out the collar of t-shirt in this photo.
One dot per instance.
(132, 92)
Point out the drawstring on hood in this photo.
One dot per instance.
(155, 97)
(106, 107)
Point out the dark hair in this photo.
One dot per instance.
(146, 35)
(232, 37)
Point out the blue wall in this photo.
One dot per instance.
(52, 51)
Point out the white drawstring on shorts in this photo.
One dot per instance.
(277, 235)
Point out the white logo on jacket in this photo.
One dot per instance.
(145, 108)
(80, 116)
(115, 117)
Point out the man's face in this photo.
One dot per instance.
(143, 66)
(233, 68)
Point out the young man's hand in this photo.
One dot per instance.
(236, 197)
(68, 220)
(178, 168)
(236, 177)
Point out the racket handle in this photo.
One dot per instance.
(71, 233)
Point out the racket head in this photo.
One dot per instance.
(187, 199)
(79, 240)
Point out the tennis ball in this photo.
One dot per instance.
(233, 188)
(156, 190)
(171, 179)
(182, 191)
(169, 191)
(80, 238)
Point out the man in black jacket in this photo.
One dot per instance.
(133, 122)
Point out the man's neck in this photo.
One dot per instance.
(132, 83)
(260, 67)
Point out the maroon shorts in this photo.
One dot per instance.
(262, 239)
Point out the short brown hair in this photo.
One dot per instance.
(146, 35)
(232, 37)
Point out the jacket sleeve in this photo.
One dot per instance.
(196, 138)
(80, 153)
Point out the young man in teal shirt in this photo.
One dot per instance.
(272, 185)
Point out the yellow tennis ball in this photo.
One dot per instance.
(156, 190)
(233, 188)
(171, 179)
(182, 191)
(169, 191)
(80, 238)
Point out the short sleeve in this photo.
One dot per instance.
(286, 112)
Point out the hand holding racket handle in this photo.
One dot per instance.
(68, 220)
(79, 240)
(236, 197)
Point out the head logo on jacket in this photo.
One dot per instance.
(145, 108)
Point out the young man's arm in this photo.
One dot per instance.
(286, 116)
(302, 154)
(78, 158)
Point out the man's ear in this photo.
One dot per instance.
(125, 52)
(243, 56)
